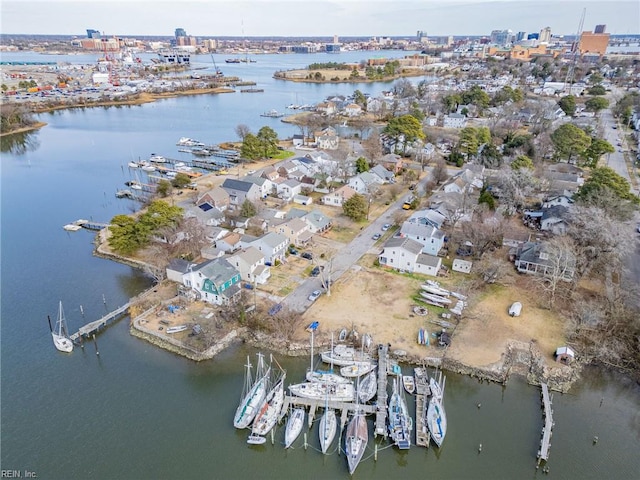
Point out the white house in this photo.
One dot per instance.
(265, 185)
(404, 254)
(289, 189)
(273, 246)
(385, 175)
(352, 110)
(363, 182)
(339, 196)
(455, 120)
(318, 222)
(428, 236)
(250, 263)
(296, 230)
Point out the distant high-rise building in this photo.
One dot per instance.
(533, 36)
(521, 36)
(600, 29)
(545, 35)
(92, 33)
(502, 37)
(593, 43)
(181, 32)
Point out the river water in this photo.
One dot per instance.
(137, 412)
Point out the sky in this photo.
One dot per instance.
(314, 17)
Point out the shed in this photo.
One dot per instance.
(565, 354)
(462, 266)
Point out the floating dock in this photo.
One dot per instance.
(545, 443)
(422, 392)
(381, 402)
(93, 327)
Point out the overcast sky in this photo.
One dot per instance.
(314, 17)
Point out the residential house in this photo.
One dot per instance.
(302, 200)
(273, 246)
(229, 243)
(455, 120)
(266, 186)
(250, 263)
(431, 239)
(177, 268)
(270, 173)
(327, 108)
(285, 168)
(289, 189)
(296, 230)
(216, 197)
(328, 139)
(206, 214)
(392, 162)
(318, 222)
(554, 219)
(339, 196)
(297, 140)
(214, 281)
(537, 259)
(428, 217)
(239, 191)
(364, 182)
(404, 254)
(353, 110)
(563, 200)
(385, 175)
(466, 180)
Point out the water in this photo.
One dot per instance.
(138, 412)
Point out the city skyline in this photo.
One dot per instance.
(314, 18)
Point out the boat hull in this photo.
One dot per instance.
(357, 369)
(333, 392)
(368, 387)
(270, 411)
(249, 405)
(356, 441)
(62, 343)
(328, 429)
(294, 426)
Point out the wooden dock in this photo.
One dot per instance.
(422, 392)
(381, 410)
(314, 403)
(93, 327)
(545, 443)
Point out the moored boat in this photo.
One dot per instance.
(326, 376)
(368, 387)
(253, 394)
(270, 410)
(59, 334)
(356, 440)
(409, 384)
(328, 428)
(294, 426)
(343, 355)
(357, 369)
(436, 415)
(400, 423)
(340, 392)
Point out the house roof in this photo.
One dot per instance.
(406, 243)
(317, 219)
(260, 181)
(382, 172)
(234, 184)
(428, 260)
(250, 255)
(296, 225)
(218, 270)
(216, 194)
(418, 229)
(295, 213)
(179, 265)
(554, 211)
(272, 239)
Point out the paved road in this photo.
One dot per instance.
(615, 136)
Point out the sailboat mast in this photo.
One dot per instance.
(50, 328)
(311, 359)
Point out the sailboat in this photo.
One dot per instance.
(253, 394)
(357, 439)
(436, 415)
(328, 426)
(294, 426)
(368, 387)
(60, 335)
(400, 423)
(324, 376)
(269, 412)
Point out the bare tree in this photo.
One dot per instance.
(439, 173)
(373, 148)
(362, 124)
(194, 237)
(284, 324)
(485, 231)
(242, 131)
(515, 187)
(560, 261)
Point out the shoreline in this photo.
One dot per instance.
(30, 128)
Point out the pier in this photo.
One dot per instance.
(314, 403)
(422, 392)
(545, 443)
(93, 327)
(381, 410)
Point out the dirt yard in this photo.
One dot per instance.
(380, 303)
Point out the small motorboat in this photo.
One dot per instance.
(256, 439)
(409, 384)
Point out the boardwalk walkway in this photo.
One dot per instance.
(545, 443)
(422, 392)
(96, 325)
(381, 411)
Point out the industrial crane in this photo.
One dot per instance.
(575, 52)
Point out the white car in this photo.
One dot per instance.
(515, 309)
(314, 295)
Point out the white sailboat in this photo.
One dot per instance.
(253, 394)
(356, 441)
(328, 427)
(343, 355)
(436, 415)
(357, 369)
(324, 376)
(294, 426)
(368, 387)
(269, 412)
(336, 392)
(400, 423)
(60, 335)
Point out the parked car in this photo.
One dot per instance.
(293, 251)
(314, 295)
(307, 255)
(376, 236)
(275, 309)
(386, 227)
(316, 271)
(515, 309)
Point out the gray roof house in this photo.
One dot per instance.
(400, 253)
(214, 281)
(428, 236)
(554, 219)
(266, 185)
(318, 221)
(383, 173)
(250, 263)
(536, 259)
(239, 191)
(273, 246)
(428, 217)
